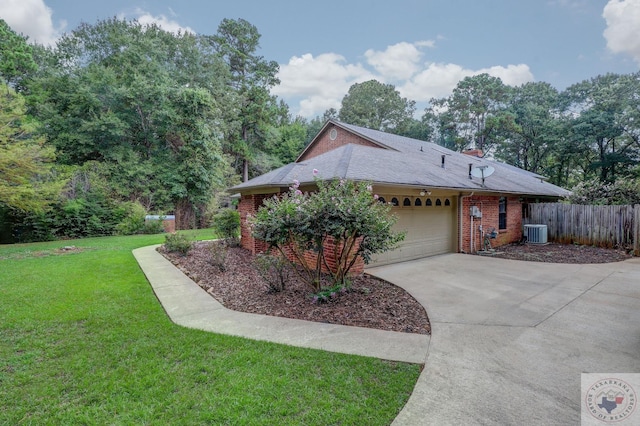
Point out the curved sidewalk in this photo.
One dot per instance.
(187, 304)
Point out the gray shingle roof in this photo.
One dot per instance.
(407, 162)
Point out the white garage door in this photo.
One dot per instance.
(430, 229)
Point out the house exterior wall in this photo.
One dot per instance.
(324, 143)
(489, 206)
(249, 205)
(330, 256)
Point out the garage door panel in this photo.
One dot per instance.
(428, 231)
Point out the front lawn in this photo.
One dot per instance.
(83, 340)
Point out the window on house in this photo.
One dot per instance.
(438, 202)
(394, 202)
(447, 202)
(406, 202)
(502, 213)
(382, 200)
(428, 203)
(418, 202)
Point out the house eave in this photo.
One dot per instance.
(275, 188)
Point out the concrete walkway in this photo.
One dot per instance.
(510, 339)
(189, 305)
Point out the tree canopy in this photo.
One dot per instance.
(472, 114)
(26, 182)
(377, 106)
(145, 102)
(120, 117)
(16, 56)
(253, 109)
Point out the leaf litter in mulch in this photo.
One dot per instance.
(371, 302)
(561, 253)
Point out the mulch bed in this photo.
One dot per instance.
(371, 302)
(561, 253)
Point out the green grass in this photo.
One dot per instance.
(83, 340)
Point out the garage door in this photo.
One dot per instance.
(430, 227)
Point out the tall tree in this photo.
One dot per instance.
(473, 114)
(237, 41)
(418, 129)
(377, 106)
(602, 113)
(535, 129)
(288, 140)
(16, 56)
(144, 102)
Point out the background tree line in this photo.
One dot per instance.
(120, 119)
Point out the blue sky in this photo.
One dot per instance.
(423, 47)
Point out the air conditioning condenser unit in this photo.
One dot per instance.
(536, 234)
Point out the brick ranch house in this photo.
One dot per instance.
(436, 193)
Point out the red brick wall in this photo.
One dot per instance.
(249, 205)
(330, 256)
(489, 206)
(325, 144)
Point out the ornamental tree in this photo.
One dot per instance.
(342, 212)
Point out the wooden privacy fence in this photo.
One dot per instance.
(606, 226)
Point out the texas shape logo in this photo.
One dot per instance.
(611, 400)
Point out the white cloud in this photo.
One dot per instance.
(167, 24)
(511, 75)
(623, 22)
(33, 19)
(435, 81)
(321, 81)
(439, 80)
(397, 62)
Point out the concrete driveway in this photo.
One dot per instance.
(510, 338)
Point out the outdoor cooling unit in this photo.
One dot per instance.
(536, 234)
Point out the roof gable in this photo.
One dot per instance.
(335, 134)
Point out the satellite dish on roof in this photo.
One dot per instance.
(482, 172)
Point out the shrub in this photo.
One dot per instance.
(274, 270)
(152, 227)
(84, 217)
(134, 221)
(218, 254)
(327, 293)
(178, 243)
(341, 211)
(226, 223)
(622, 191)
